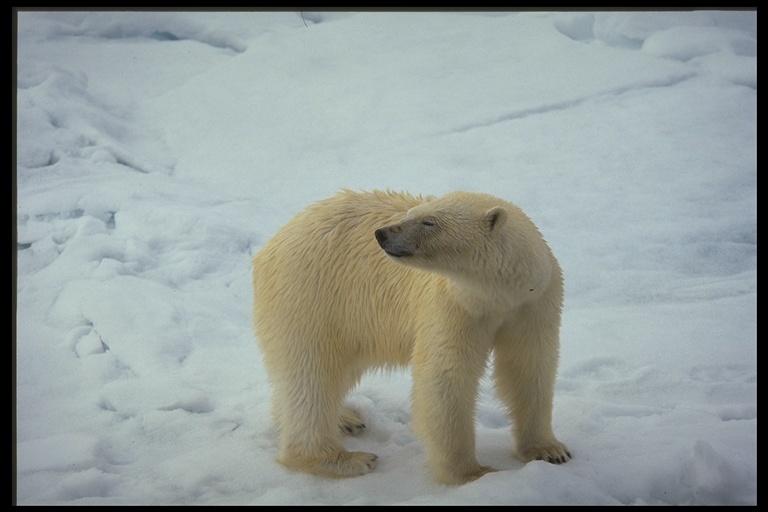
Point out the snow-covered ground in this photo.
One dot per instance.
(157, 152)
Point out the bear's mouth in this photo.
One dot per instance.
(398, 254)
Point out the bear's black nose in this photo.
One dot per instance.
(381, 235)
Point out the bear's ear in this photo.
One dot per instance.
(495, 217)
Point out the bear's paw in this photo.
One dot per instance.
(555, 453)
(350, 422)
(451, 476)
(348, 464)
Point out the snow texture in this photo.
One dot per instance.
(156, 152)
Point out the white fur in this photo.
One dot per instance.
(469, 275)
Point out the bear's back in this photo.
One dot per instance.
(324, 275)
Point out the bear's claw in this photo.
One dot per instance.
(557, 454)
(350, 423)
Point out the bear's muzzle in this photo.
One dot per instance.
(390, 245)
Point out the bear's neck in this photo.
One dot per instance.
(499, 294)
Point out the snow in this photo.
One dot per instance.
(158, 151)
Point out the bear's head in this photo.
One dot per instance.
(457, 234)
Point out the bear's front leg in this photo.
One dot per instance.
(525, 367)
(445, 382)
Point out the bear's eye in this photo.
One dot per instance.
(429, 223)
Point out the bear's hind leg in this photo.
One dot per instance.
(311, 421)
(327, 457)
(350, 422)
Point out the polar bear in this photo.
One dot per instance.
(378, 279)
